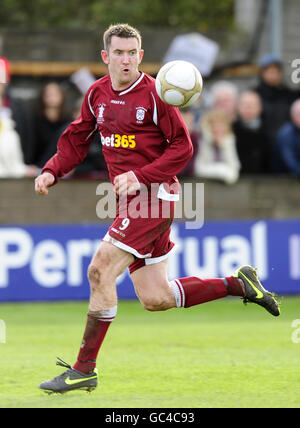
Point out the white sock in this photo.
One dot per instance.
(178, 293)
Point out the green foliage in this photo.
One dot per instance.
(92, 14)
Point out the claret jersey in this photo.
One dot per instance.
(138, 133)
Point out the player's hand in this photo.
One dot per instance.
(126, 184)
(42, 182)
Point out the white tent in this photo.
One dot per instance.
(195, 48)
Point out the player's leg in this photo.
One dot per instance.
(157, 293)
(107, 264)
(243, 283)
(153, 288)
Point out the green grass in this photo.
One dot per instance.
(220, 354)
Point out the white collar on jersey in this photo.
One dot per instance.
(132, 86)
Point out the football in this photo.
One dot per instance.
(178, 83)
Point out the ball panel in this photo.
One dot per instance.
(174, 97)
(158, 87)
(198, 78)
(193, 99)
(181, 76)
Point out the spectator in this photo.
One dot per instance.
(15, 109)
(224, 98)
(49, 119)
(217, 157)
(276, 97)
(188, 116)
(11, 156)
(287, 154)
(251, 140)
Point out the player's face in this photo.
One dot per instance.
(123, 58)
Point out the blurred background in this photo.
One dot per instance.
(245, 130)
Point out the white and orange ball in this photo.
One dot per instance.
(179, 83)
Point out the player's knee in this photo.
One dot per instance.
(155, 304)
(99, 267)
(94, 275)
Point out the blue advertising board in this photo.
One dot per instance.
(42, 263)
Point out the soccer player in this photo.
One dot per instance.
(145, 143)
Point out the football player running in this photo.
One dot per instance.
(145, 144)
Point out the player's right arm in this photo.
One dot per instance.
(72, 147)
(43, 182)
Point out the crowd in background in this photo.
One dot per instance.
(256, 131)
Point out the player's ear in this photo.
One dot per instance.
(141, 54)
(104, 56)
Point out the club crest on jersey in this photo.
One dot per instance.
(140, 114)
(101, 108)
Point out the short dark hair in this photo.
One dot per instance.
(121, 30)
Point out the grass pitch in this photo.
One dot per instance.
(219, 354)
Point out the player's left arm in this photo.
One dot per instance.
(178, 152)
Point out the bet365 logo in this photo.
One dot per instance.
(2, 332)
(116, 140)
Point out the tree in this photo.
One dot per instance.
(199, 15)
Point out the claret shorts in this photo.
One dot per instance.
(143, 232)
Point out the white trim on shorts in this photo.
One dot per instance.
(108, 238)
(153, 260)
(148, 259)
